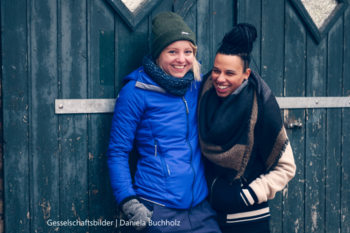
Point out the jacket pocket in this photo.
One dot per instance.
(225, 195)
(157, 152)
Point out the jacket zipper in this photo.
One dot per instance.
(211, 189)
(188, 129)
(161, 159)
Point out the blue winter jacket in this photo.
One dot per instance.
(170, 171)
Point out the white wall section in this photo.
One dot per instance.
(319, 10)
(133, 5)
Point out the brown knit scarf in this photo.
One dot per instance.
(229, 128)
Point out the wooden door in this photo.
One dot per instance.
(55, 165)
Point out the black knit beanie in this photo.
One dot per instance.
(167, 28)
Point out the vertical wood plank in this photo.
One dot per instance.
(100, 29)
(43, 75)
(315, 137)
(205, 50)
(272, 62)
(15, 114)
(73, 128)
(162, 7)
(132, 47)
(249, 11)
(345, 190)
(295, 51)
(334, 128)
(272, 45)
(191, 18)
(221, 25)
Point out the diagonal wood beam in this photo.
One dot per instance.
(182, 7)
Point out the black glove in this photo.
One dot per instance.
(137, 214)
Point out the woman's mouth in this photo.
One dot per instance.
(179, 68)
(221, 88)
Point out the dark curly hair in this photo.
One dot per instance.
(239, 41)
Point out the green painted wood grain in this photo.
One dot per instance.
(334, 128)
(205, 50)
(182, 7)
(191, 17)
(295, 78)
(272, 62)
(249, 11)
(44, 179)
(315, 137)
(272, 45)
(101, 201)
(15, 115)
(220, 25)
(72, 67)
(345, 162)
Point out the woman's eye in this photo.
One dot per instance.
(188, 52)
(171, 51)
(216, 71)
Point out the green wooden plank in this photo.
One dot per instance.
(315, 137)
(249, 11)
(345, 190)
(182, 7)
(73, 128)
(101, 201)
(132, 47)
(205, 50)
(272, 47)
(44, 180)
(334, 128)
(191, 18)
(220, 25)
(294, 75)
(15, 115)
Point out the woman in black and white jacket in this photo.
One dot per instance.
(247, 152)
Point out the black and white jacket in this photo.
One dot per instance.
(246, 200)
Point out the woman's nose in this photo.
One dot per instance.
(221, 78)
(181, 58)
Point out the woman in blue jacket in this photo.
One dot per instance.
(157, 109)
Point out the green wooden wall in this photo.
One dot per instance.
(55, 165)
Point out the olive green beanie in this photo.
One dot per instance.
(167, 28)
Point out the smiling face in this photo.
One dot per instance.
(177, 59)
(227, 74)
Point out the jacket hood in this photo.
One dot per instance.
(139, 75)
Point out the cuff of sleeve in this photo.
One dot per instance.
(251, 191)
(125, 201)
(247, 197)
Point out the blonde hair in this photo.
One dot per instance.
(196, 66)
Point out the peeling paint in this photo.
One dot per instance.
(285, 192)
(73, 209)
(314, 216)
(46, 208)
(296, 226)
